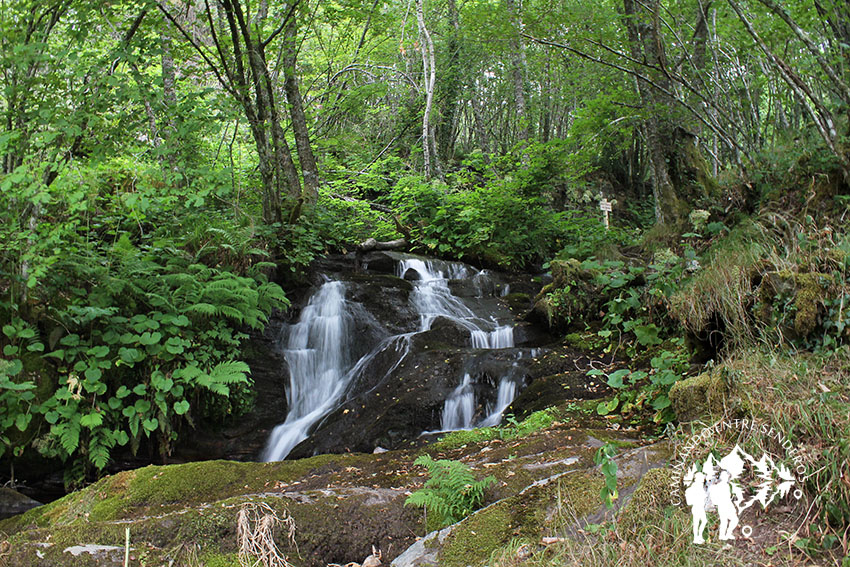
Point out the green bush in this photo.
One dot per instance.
(493, 223)
(123, 311)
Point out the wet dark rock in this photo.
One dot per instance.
(444, 333)
(13, 502)
(379, 262)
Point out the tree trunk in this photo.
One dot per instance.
(429, 72)
(518, 69)
(296, 112)
(645, 45)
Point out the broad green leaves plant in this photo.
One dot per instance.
(604, 457)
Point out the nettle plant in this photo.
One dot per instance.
(139, 343)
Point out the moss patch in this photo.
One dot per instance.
(647, 505)
(698, 396)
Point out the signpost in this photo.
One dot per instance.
(605, 206)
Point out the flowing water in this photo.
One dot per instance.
(318, 350)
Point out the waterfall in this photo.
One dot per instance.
(433, 298)
(506, 395)
(459, 407)
(322, 367)
(319, 364)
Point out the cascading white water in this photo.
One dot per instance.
(459, 408)
(506, 395)
(433, 298)
(319, 364)
(501, 337)
(431, 295)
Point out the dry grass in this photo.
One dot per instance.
(723, 288)
(256, 524)
(722, 294)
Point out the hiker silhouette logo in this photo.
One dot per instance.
(731, 483)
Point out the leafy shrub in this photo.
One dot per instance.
(142, 347)
(452, 492)
(583, 235)
(126, 323)
(493, 223)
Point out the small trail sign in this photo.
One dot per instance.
(605, 206)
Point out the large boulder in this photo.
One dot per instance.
(342, 505)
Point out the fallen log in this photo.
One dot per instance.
(371, 244)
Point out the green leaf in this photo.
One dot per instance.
(148, 338)
(647, 335)
(22, 421)
(94, 374)
(150, 425)
(92, 420)
(140, 390)
(604, 408)
(615, 379)
(10, 331)
(181, 407)
(123, 392)
(60, 354)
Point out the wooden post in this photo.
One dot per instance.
(605, 206)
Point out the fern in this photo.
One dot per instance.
(452, 492)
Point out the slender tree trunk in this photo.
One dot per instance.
(429, 72)
(518, 68)
(296, 112)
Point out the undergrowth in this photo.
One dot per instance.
(513, 429)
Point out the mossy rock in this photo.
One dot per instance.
(518, 301)
(586, 342)
(698, 396)
(524, 515)
(804, 291)
(571, 296)
(648, 502)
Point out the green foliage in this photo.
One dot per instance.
(513, 429)
(452, 492)
(494, 223)
(583, 235)
(16, 400)
(604, 457)
(637, 390)
(132, 331)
